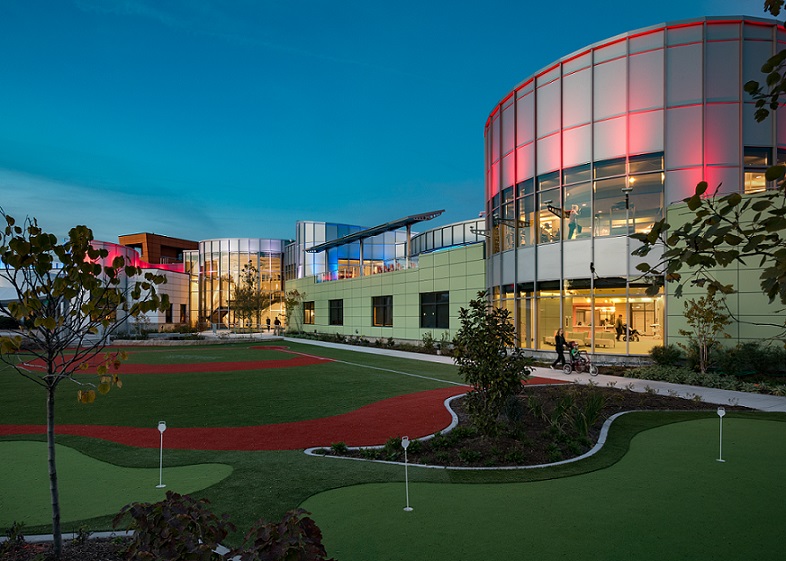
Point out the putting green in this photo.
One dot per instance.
(88, 487)
(668, 497)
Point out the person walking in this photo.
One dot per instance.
(277, 324)
(619, 327)
(559, 342)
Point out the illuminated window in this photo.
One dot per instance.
(757, 160)
(550, 216)
(382, 311)
(308, 313)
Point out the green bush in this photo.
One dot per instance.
(751, 359)
(429, 344)
(339, 448)
(668, 355)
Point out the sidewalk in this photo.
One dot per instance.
(713, 396)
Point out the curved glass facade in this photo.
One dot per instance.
(451, 235)
(596, 146)
(215, 270)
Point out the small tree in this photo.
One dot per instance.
(706, 318)
(293, 300)
(247, 300)
(488, 360)
(67, 305)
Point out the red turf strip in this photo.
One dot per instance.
(414, 415)
(300, 359)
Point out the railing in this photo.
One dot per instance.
(354, 272)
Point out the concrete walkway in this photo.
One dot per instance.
(709, 395)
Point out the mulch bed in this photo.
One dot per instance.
(534, 441)
(104, 549)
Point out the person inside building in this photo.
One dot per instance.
(619, 326)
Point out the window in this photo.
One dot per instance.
(577, 215)
(308, 313)
(336, 312)
(168, 314)
(435, 310)
(382, 310)
(757, 160)
(549, 216)
(610, 168)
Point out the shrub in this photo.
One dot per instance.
(339, 448)
(469, 455)
(429, 344)
(295, 537)
(668, 355)
(179, 527)
(751, 359)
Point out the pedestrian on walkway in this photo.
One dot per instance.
(267, 321)
(559, 342)
(277, 325)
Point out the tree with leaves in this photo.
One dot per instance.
(247, 300)
(293, 299)
(488, 360)
(69, 301)
(768, 96)
(706, 318)
(719, 231)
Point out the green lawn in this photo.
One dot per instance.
(668, 498)
(88, 487)
(216, 399)
(266, 484)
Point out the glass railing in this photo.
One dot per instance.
(354, 272)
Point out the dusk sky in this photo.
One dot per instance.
(235, 118)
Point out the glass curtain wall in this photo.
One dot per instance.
(592, 201)
(217, 273)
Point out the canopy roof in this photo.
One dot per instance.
(376, 230)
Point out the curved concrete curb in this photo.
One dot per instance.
(604, 431)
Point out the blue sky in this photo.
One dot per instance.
(235, 118)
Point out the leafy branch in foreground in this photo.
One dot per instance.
(718, 232)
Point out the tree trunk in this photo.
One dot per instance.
(53, 491)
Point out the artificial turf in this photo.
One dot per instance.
(668, 498)
(88, 487)
(266, 484)
(221, 399)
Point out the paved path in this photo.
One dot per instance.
(709, 395)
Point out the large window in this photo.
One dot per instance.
(435, 310)
(308, 313)
(757, 160)
(336, 312)
(382, 311)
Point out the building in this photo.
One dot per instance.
(598, 145)
(386, 282)
(216, 271)
(157, 249)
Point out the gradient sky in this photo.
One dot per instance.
(235, 118)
